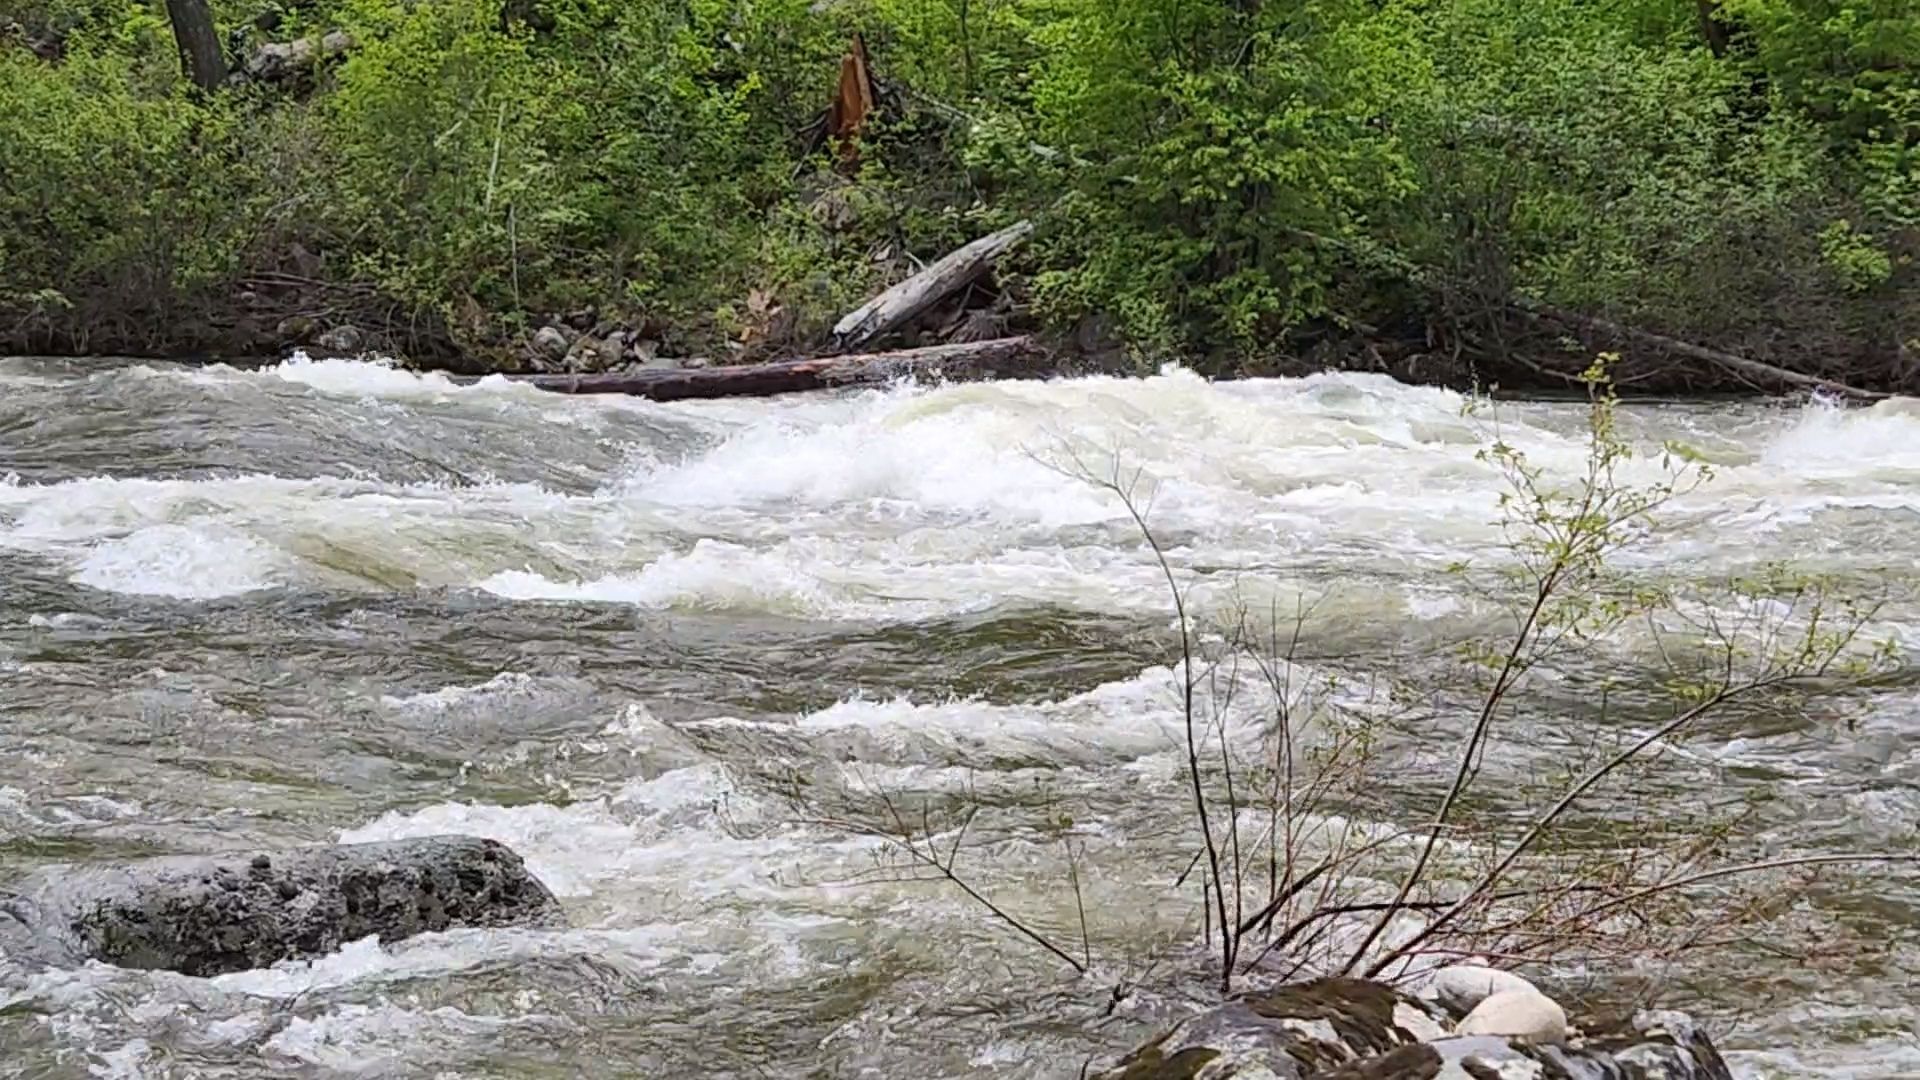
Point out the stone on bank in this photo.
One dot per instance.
(1353, 1029)
(209, 915)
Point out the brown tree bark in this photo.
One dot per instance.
(998, 358)
(201, 58)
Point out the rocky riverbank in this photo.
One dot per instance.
(259, 326)
(1353, 1029)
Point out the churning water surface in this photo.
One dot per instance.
(332, 600)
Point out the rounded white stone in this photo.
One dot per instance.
(1516, 1014)
(1461, 987)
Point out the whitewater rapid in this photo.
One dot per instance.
(335, 600)
(907, 503)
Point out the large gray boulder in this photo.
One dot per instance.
(211, 914)
(1352, 1029)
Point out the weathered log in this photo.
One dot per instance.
(1000, 357)
(898, 305)
(291, 61)
(210, 914)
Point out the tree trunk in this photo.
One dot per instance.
(200, 57)
(1711, 28)
(1001, 357)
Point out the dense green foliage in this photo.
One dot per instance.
(1222, 178)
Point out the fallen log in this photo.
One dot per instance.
(1431, 279)
(290, 61)
(211, 914)
(1000, 357)
(899, 305)
(1753, 369)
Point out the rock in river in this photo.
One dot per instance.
(211, 914)
(343, 339)
(1352, 1029)
(1521, 1014)
(1458, 988)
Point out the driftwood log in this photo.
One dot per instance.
(900, 304)
(998, 358)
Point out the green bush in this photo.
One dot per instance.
(1213, 175)
(1562, 159)
(110, 195)
(1209, 146)
(614, 159)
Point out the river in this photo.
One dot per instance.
(330, 600)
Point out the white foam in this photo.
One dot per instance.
(507, 684)
(1824, 437)
(64, 620)
(909, 503)
(356, 961)
(714, 575)
(377, 378)
(930, 453)
(570, 849)
(368, 1038)
(676, 818)
(202, 539)
(204, 562)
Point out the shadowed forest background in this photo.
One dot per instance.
(1442, 190)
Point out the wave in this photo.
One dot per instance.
(913, 502)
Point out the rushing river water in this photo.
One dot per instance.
(332, 600)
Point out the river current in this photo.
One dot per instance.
(335, 601)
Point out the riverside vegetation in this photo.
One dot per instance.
(1482, 189)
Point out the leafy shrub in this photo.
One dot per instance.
(109, 194)
(1213, 175)
(1209, 145)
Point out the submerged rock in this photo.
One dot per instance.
(1352, 1029)
(211, 914)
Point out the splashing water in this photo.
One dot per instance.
(333, 600)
